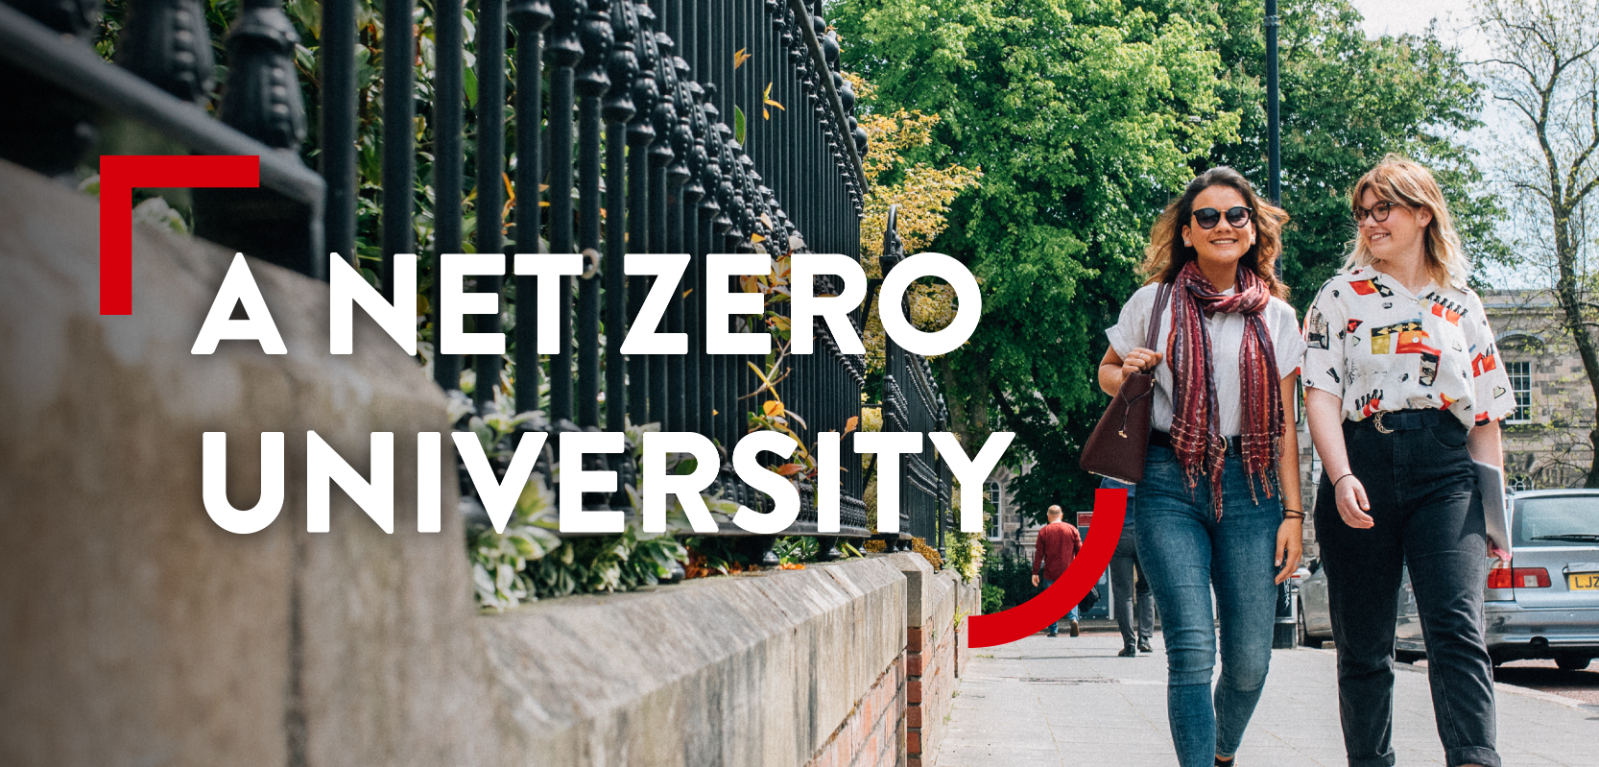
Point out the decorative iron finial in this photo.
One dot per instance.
(664, 115)
(641, 131)
(618, 105)
(262, 97)
(566, 47)
(591, 80)
(167, 43)
(531, 16)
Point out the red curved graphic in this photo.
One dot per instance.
(1110, 509)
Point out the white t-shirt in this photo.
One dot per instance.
(1379, 347)
(1226, 338)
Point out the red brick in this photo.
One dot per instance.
(913, 664)
(913, 716)
(913, 691)
(913, 639)
(915, 761)
(913, 741)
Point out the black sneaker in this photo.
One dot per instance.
(1127, 652)
(1143, 646)
(1053, 633)
(1074, 628)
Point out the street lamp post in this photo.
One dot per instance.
(1285, 634)
(1274, 171)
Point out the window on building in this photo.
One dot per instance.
(1516, 483)
(995, 496)
(1521, 384)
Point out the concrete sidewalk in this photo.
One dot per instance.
(1066, 701)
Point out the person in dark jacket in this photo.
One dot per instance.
(1058, 543)
(1123, 588)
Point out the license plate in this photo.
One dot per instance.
(1583, 581)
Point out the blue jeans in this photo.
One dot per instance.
(1187, 552)
(1054, 628)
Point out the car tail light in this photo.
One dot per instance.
(1518, 578)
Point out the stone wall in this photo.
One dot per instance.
(134, 630)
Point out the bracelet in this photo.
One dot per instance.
(1293, 514)
(1346, 475)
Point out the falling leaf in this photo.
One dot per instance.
(772, 408)
(789, 469)
(738, 125)
(757, 238)
(686, 292)
(767, 220)
(739, 57)
(850, 425)
(766, 99)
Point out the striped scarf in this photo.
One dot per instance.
(1195, 430)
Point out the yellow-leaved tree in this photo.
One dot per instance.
(922, 192)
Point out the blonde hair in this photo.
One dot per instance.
(1166, 255)
(1397, 179)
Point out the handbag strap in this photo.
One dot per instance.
(1162, 297)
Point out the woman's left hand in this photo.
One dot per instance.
(1290, 544)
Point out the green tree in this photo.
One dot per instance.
(1086, 118)
(1347, 100)
(1082, 115)
(1545, 69)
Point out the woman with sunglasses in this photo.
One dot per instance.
(1218, 507)
(1403, 390)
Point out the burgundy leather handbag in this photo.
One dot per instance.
(1119, 443)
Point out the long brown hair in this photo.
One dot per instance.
(1166, 254)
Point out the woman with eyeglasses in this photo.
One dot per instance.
(1403, 389)
(1218, 507)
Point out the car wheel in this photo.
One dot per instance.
(1405, 656)
(1572, 663)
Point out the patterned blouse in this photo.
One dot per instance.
(1381, 348)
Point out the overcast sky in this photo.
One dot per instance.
(1396, 17)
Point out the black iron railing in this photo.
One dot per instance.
(676, 126)
(913, 403)
(665, 127)
(57, 91)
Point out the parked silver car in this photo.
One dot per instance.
(1545, 605)
(1315, 620)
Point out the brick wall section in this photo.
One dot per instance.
(930, 693)
(872, 733)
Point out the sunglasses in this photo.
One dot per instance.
(1378, 212)
(1208, 218)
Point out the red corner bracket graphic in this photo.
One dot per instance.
(119, 174)
(1110, 509)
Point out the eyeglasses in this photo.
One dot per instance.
(1208, 218)
(1378, 212)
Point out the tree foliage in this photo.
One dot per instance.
(1081, 115)
(1086, 117)
(1347, 100)
(1546, 70)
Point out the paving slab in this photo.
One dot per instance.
(1065, 701)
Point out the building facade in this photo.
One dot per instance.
(1546, 440)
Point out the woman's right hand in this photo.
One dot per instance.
(1139, 360)
(1352, 502)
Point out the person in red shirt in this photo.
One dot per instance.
(1058, 544)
